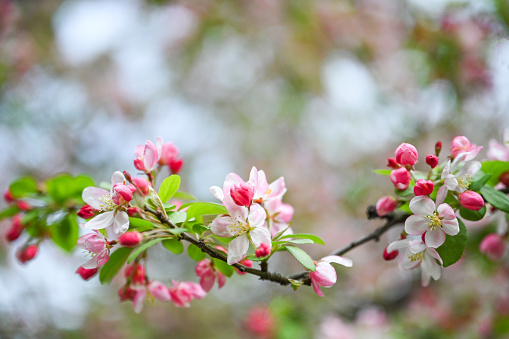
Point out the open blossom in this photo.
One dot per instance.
(147, 157)
(406, 154)
(459, 181)
(324, 274)
(110, 204)
(400, 178)
(279, 216)
(208, 275)
(500, 151)
(183, 292)
(494, 246)
(461, 144)
(135, 293)
(97, 246)
(415, 253)
(435, 222)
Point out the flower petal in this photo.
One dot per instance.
(121, 222)
(260, 235)
(451, 182)
(316, 287)
(234, 178)
(416, 225)
(441, 194)
(397, 245)
(221, 227)
(237, 249)
(117, 178)
(207, 281)
(422, 205)
(435, 237)
(325, 274)
(277, 189)
(416, 246)
(262, 186)
(433, 252)
(338, 260)
(91, 196)
(233, 209)
(102, 258)
(257, 215)
(100, 221)
(217, 192)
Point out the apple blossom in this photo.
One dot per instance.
(242, 194)
(260, 322)
(497, 151)
(279, 216)
(97, 246)
(385, 205)
(471, 200)
(147, 157)
(432, 160)
(159, 290)
(87, 212)
(245, 262)
(435, 222)
(27, 253)
(324, 274)
(87, 273)
(142, 185)
(406, 154)
(461, 144)
(416, 253)
(168, 152)
(111, 205)
(494, 246)
(136, 294)
(423, 187)
(16, 229)
(459, 181)
(8, 196)
(176, 165)
(400, 178)
(208, 275)
(183, 292)
(136, 273)
(130, 239)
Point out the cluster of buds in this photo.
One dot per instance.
(151, 156)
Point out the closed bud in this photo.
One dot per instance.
(493, 245)
(432, 160)
(175, 165)
(242, 194)
(127, 176)
(27, 253)
(130, 239)
(423, 187)
(438, 148)
(142, 185)
(391, 162)
(87, 212)
(136, 272)
(471, 200)
(385, 205)
(126, 293)
(390, 255)
(86, 273)
(23, 205)
(133, 211)
(400, 178)
(8, 196)
(504, 178)
(263, 250)
(16, 229)
(406, 154)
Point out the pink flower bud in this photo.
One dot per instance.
(423, 187)
(136, 272)
(390, 255)
(126, 293)
(27, 253)
(438, 148)
(23, 205)
(260, 322)
(133, 211)
(87, 212)
(168, 153)
(432, 160)
(242, 194)
(159, 291)
(385, 205)
(406, 154)
(127, 176)
(245, 262)
(123, 194)
(8, 196)
(471, 200)
(130, 239)
(263, 250)
(391, 162)
(400, 178)
(16, 229)
(504, 178)
(142, 184)
(85, 273)
(493, 245)
(176, 165)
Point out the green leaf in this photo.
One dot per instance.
(177, 230)
(168, 187)
(405, 208)
(195, 253)
(9, 212)
(183, 196)
(60, 188)
(498, 199)
(140, 225)
(478, 184)
(23, 186)
(453, 247)
(173, 245)
(295, 241)
(495, 168)
(143, 248)
(302, 257)
(114, 264)
(404, 193)
(65, 233)
(281, 232)
(314, 238)
(198, 228)
(472, 215)
(386, 172)
(205, 208)
(177, 217)
(168, 207)
(223, 267)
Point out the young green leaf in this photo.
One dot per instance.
(168, 187)
(314, 238)
(495, 168)
(183, 196)
(177, 217)
(205, 208)
(385, 172)
(23, 186)
(195, 253)
(497, 199)
(453, 247)
(9, 212)
(293, 241)
(173, 245)
(143, 248)
(65, 233)
(114, 264)
(140, 225)
(478, 184)
(223, 267)
(302, 257)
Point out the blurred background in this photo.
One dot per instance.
(320, 92)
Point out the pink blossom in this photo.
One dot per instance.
(279, 216)
(27, 253)
(494, 246)
(423, 187)
(16, 229)
(147, 157)
(208, 275)
(471, 200)
(436, 222)
(111, 205)
(390, 255)
(263, 250)
(324, 274)
(183, 292)
(461, 144)
(175, 165)
(168, 153)
(136, 294)
(130, 239)
(142, 185)
(385, 205)
(391, 162)
(159, 291)
(242, 194)
(500, 151)
(135, 272)
(96, 245)
(459, 180)
(432, 160)
(87, 273)
(406, 154)
(260, 322)
(400, 178)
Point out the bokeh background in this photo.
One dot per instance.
(320, 92)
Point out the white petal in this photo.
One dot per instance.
(441, 194)
(237, 249)
(470, 168)
(433, 252)
(100, 221)
(117, 178)
(416, 246)
(221, 227)
(446, 170)
(260, 235)
(217, 192)
(422, 205)
(430, 265)
(338, 260)
(416, 224)
(121, 222)
(451, 182)
(257, 215)
(435, 237)
(397, 245)
(91, 196)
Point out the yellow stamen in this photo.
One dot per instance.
(416, 257)
(434, 220)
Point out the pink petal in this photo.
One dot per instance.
(237, 249)
(121, 222)
(82, 240)
(207, 281)
(498, 151)
(221, 279)
(150, 156)
(159, 291)
(441, 194)
(416, 225)
(91, 196)
(316, 287)
(234, 178)
(325, 274)
(262, 186)
(435, 237)
(100, 221)
(103, 257)
(422, 205)
(338, 260)
(139, 299)
(253, 177)
(233, 209)
(221, 227)
(277, 188)
(95, 243)
(433, 252)
(445, 211)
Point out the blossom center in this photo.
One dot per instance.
(107, 203)
(238, 227)
(416, 257)
(465, 182)
(434, 220)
